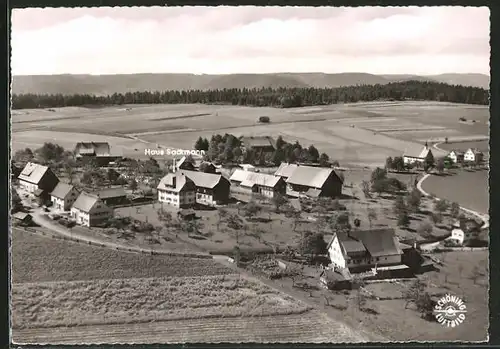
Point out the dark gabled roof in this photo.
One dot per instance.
(61, 190)
(93, 148)
(378, 242)
(186, 212)
(110, 193)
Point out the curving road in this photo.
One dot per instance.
(483, 216)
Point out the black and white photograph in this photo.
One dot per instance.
(249, 174)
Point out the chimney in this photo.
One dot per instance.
(426, 145)
(174, 168)
(174, 181)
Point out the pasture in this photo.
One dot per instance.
(469, 188)
(361, 133)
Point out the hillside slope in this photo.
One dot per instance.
(109, 84)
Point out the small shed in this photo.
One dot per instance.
(187, 214)
(334, 281)
(22, 218)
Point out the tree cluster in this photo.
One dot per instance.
(380, 183)
(268, 97)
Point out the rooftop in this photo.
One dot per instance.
(62, 190)
(33, 172)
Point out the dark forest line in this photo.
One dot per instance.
(268, 97)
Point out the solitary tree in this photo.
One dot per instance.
(372, 216)
(365, 185)
(455, 210)
(323, 159)
(414, 200)
(389, 163)
(133, 185)
(378, 174)
(312, 244)
(278, 201)
(440, 206)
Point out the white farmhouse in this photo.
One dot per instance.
(473, 155)
(177, 190)
(88, 210)
(456, 156)
(35, 177)
(63, 196)
(418, 158)
(364, 249)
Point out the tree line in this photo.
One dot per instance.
(266, 96)
(228, 148)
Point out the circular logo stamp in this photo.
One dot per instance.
(450, 311)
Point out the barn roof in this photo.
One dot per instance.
(85, 202)
(202, 179)
(314, 177)
(257, 141)
(285, 169)
(238, 175)
(378, 242)
(21, 216)
(33, 173)
(61, 190)
(261, 179)
(93, 148)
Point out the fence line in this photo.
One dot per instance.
(117, 248)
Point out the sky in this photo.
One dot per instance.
(225, 40)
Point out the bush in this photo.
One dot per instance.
(264, 119)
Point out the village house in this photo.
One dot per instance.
(177, 190)
(22, 218)
(112, 196)
(211, 189)
(267, 185)
(63, 196)
(207, 167)
(96, 151)
(285, 170)
(259, 144)
(361, 250)
(183, 164)
(247, 167)
(456, 156)
(89, 210)
(457, 235)
(418, 158)
(38, 180)
(314, 182)
(473, 155)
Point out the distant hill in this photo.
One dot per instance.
(109, 84)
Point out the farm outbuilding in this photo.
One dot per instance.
(22, 218)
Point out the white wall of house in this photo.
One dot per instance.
(453, 157)
(266, 191)
(457, 235)
(176, 199)
(469, 156)
(411, 160)
(66, 203)
(97, 214)
(29, 187)
(336, 255)
(81, 218)
(205, 199)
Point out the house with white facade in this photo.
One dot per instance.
(63, 196)
(265, 184)
(89, 210)
(411, 158)
(361, 250)
(177, 190)
(38, 180)
(456, 156)
(211, 188)
(473, 155)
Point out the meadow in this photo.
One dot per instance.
(470, 188)
(360, 133)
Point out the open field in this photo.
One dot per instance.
(116, 301)
(310, 327)
(116, 288)
(361, 133)
(41, 259)
(469, 188)
(483, 146)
